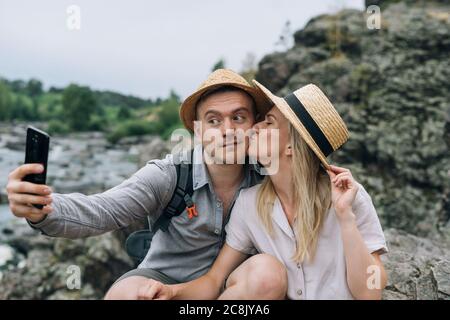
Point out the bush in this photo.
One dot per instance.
(133, 128)
(57, 127)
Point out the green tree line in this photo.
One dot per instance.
(79, 108)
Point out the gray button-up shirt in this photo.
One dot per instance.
(189, 247)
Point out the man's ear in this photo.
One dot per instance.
(198, 129)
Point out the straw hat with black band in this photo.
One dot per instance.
(314, 117)
(220, 78)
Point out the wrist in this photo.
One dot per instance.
(175, 290)
(37, 220)
(346, 218)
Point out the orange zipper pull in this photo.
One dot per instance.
(190, 207)
(192, 211)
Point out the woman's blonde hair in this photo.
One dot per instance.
(312, 194)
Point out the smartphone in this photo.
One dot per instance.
(37, 146)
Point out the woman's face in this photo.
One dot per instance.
(271, 138)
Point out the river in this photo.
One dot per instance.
(81, 162)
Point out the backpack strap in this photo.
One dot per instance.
(181, 198)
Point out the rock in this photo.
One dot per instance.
(417, 268)
(47, 263)
(6, 255)
(156, 148)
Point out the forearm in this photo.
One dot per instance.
(358, 262)
(206, 287)
(77, 215)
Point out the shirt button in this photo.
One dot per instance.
(217, 231)
(299, 265)
(218, 205)
(299, 292)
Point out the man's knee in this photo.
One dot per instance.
(125, 289)
(267, 277)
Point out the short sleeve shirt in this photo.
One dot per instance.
(325, 276)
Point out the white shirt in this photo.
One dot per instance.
(325, 276)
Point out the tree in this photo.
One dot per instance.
(34, 88)
(5, 102)
(124, 113)
(79, 105)
(219, 64)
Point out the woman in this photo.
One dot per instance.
(312, 216)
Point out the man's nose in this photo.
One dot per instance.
(227, 126)
(257, 126)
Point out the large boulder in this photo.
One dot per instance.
(418, 268)
(47, 264)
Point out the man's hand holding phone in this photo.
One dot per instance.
(22, 194)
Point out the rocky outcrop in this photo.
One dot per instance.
(391, 87)
(41, 267)
(418, 268)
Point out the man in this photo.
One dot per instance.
(225, 102)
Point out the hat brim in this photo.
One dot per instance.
(188, 112)
(286, 110)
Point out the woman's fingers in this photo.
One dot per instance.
(155, 290)
(338, 170)
(143, 290)
(149, 290)
(347, 175)
(331, 174)
(344, 181)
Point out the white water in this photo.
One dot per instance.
(5, 214)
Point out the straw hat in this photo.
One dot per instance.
(219, 78)
(314, 117)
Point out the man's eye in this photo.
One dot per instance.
(239, 118)
(213, 121)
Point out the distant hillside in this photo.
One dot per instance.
(78, 108)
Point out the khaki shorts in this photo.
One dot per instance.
(149, 274)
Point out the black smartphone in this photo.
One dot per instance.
(37, 146)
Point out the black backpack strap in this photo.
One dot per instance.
(181, 197)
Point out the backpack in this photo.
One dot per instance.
(138, 243)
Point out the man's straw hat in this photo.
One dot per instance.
(219, 78)
(314, 117)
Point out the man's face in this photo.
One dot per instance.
(224, 119)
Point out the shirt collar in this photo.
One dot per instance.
(280, 218)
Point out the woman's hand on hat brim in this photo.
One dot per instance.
(343, 192)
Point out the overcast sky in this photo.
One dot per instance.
(144, 48)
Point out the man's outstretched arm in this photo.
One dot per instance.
(76, 215)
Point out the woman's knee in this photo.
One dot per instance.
(125, 289)
(267, 277)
